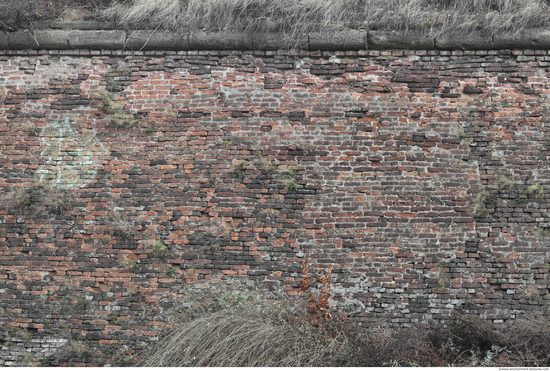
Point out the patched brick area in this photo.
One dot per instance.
(422, 176)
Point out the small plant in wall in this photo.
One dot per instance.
(522, 197)
(121, 227)
(157, 247)
(171, 271)
(114, 110)
(240, 168)
(23, 334)
(64, 86)
(536, 189)
(33, 131)
(264, 163)
(216, 246)
(46, 362)
(78, 348)
(26, 359)
(506, 181)
(21, 199)
(128, 263)
(107, 103)
(304, 146)
(55, 201)
(290, 184)
(223, 228)
(318, 305)
(289, 179)
(31, 199)
(541, 232)
(290, 172)
(477, 206)
(172, 114)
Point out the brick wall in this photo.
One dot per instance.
(420, 175)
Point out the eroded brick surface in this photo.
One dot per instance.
(420, 175)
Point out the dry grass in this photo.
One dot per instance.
(251, 336)
(263, 334)
(241, 329)
(295, 17)
(237, 327)
(452, 17)
(32, 14)
(35, 199)
(73, 350)
(290, 17)
(121, 226)
(56, 201)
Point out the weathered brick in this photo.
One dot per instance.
(390, 171)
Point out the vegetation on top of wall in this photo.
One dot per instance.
(32, 14)
(291, 17)
(295, 17)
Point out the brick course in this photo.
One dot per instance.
(420, 175)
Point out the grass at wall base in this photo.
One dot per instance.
(254, 328)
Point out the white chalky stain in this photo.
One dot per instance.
(71, 159)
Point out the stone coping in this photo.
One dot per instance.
(98, 35)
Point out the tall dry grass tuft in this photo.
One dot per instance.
(241, 328)
(259, 335)
(456, 17)
(35, 199)
(35, 14)
(290, 17)
(296, 17)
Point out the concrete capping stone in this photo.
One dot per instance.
(89, 37)
(471, 42)
(83, 25)
(532, 39)
(97, 39)
(273, 41)
(4, 37)
(46, 39)
(220, 41)
(21, 40)
(348, 40)
(381, 40)
(156, 40)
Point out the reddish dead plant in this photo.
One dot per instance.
(317, 305)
